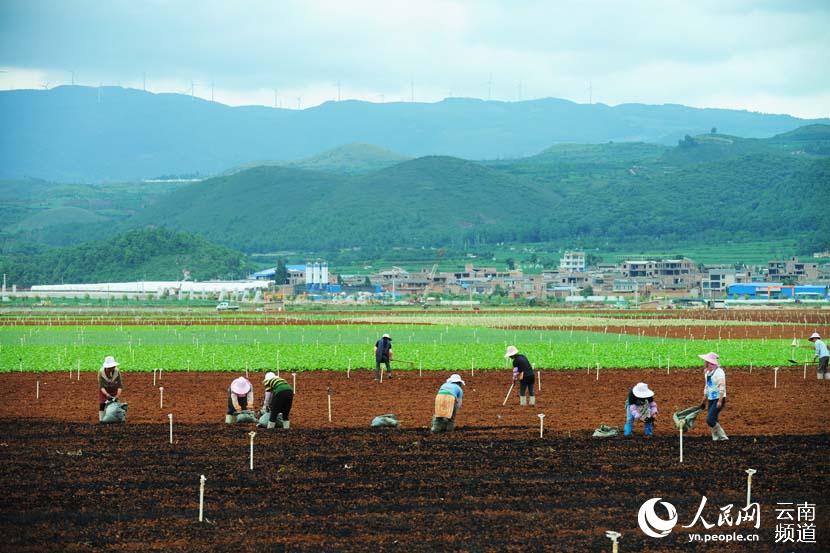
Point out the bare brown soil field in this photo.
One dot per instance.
(69, 484)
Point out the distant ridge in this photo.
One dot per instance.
(83, 134)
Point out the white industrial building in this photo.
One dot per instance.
(149, 288)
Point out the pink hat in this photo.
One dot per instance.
(814, 336)
(711, 358)
(240, 386)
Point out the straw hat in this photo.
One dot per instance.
(511, 351)
(240, 386)
(641, 391)
(814, 336)
(268, 376)
(455, 379)
(109, 362)
(710, 357)
(386, 336)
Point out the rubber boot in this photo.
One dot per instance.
(532, 400)
(714, 434)
(100, 416)
(271, 425)
(721, 434)
(286, 425)
(522, 400)
(229, 419)
(820, 376)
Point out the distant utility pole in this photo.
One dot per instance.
(212, 87)
(299, 101)
(338, 91)
(275, 97)
(192, 90)
(590, 91)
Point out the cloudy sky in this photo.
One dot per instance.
(769, 56)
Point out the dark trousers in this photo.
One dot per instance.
(526, 383)
(377, 368)
(243, 403)
(714, 411)
(822, 366)
(281, 404)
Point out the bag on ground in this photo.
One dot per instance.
(245, 416)
(604, 431)
(385, 420)
(114, 412)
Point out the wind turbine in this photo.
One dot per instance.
(45, 86)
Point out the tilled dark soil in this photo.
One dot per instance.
(69, 486)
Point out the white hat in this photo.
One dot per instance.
(386, 336)
(268, 376)
(641, 390)
(710, 357)
(240, 386)
(455, 379)
(109, 362)
(511, 351)
(814, 336)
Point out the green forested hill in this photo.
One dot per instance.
(152, 254)
(710, 187)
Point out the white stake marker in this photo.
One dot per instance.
(37, 388)
(775, 385)
(79, 369)
(252, 434)
(170, 418)
(328, 394)
(541, 425)
(154, 377)
(805, 370)
(160, 374)
(749, 473)
(597, 371)
(613, 536)
(202, 497)
(294, 381)
(540, 379)
(349, 368)
(681, 444)
(161, 397)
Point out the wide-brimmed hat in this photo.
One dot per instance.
(511, 351)
(240, 386)
(268, 376)
(710, 357)
(386, 336)
(814, 336)
(455, 379)
(641, 391)
(109, 362)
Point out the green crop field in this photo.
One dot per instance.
(341, 347)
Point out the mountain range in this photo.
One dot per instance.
(85, 134)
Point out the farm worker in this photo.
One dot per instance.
(278, 399)
(240, 396)
(447, 404)
(109, 384)
(714, 392)
(383, 354)
(523, 372)
(823, 356)
(640, 406)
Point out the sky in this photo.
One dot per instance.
(766, 56)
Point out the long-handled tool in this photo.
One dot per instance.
(508, 393)
(794, 362)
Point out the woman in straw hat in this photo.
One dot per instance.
(523, 372)
(640, 406)
(714, 393)
(240, 396)
(109, 384)
(447, 404)
(822, 354)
